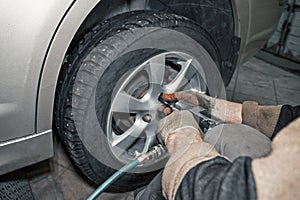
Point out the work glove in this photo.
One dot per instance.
(181, 127)
(181, 134)
(188, 99)
(226, 111)
(192, 98)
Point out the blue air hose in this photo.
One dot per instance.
(112, 179)
(155, 153)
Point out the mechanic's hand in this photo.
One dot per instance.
(192, 98)
(186, 149)
(179, 130)
(226, 111)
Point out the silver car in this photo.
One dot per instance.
(91, 73)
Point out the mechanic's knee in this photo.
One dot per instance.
(153, 191)
(234, 140)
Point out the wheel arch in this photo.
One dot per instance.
(54, 58)
(81, 17)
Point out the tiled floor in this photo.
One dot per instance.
(59, 180)
(259, 81)
(255, 80)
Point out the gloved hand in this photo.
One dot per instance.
(178, 130)
(227, 111)
(192, 98)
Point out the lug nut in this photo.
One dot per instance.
(147, 118)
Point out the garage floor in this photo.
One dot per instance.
(255, 80)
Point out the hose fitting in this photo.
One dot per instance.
(155, 153)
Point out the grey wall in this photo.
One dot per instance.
(285, 41)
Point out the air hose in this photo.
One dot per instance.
(155, 153)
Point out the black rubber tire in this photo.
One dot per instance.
(15, 190)
(94, 67)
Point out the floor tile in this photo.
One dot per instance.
(47, 189)
(60, 155)
(286, 96)
(258, 66)
(229, 95)
(240, 98)
(255, 89)
(288, 82)
(232, 84)
(73, 186)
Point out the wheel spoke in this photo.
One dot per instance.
(157, 70)
(129, 137)
(185, 74)
(125, 103)
(150, 140)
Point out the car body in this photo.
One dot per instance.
(35, 37)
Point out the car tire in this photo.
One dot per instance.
(90, 75)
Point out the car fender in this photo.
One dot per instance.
(257, 20)
(27, 28)
(54, 59)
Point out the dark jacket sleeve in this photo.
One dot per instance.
(287, 115)
(219, 179)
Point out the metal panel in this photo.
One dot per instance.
(25, 151)
(258, 21)
(26, 30)
(285, 42)
(54, 60)
(292, 45)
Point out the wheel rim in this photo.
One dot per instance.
(133, 116)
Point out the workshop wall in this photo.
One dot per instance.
(285, 41)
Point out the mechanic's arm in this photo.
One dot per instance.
(267, 119)
(196, 171)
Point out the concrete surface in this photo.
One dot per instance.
(255, 80)
(260, 81)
